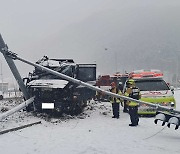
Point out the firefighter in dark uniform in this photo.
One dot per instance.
(115, 101)
(134, 93)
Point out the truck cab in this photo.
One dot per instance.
(55, 95)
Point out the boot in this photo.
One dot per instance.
(132, 125)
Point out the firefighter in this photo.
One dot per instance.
(134, 93)
(115, 101)
(125, 109)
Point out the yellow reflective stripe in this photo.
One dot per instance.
(146, 112)
(155, 100)
(117, 99)
(126, 94)
(132, 104)
(158, 99)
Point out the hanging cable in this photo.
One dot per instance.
(155, 134)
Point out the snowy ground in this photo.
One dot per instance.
(97, 133)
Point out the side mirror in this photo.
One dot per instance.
(172, 89)
(172, 104)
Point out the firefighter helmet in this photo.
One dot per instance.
(131, 82)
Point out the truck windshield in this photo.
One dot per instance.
(67, 70)
(152, 85)
(87, 74)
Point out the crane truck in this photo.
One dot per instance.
(69, 86)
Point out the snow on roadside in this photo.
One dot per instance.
(95, 132)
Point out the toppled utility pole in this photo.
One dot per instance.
(20, 127)
(17, 108)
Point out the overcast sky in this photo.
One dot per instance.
(106, 32)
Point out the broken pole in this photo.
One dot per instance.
(20, 127)
(17, 108)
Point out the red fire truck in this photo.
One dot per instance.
(104, 82)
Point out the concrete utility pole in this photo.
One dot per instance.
(4, 50)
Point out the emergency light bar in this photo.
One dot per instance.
(146, 74)
(120, 75)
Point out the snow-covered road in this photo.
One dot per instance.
(98, 133)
